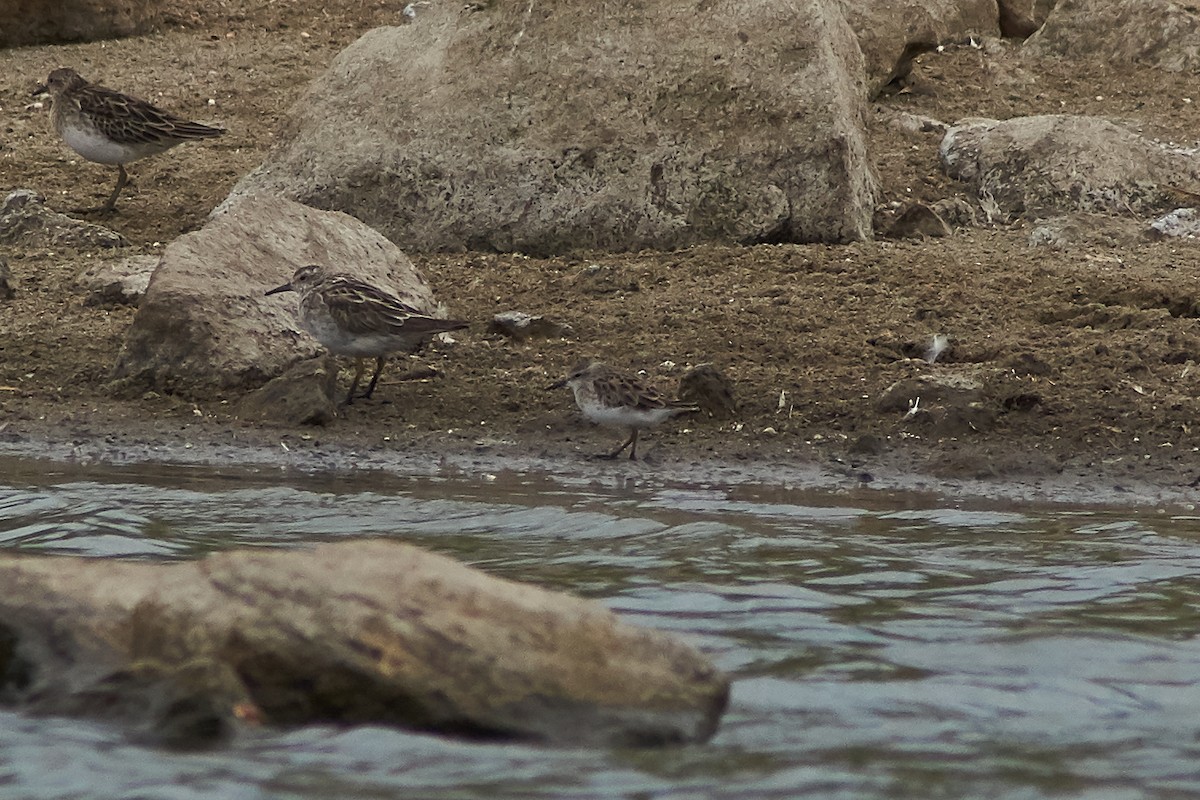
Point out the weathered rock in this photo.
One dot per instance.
(521, 326)
(930, 388)
(303, 395)
(1182, 223)
(121, 282)
(1086, 230)
(1046, 165)
(918, 221)
(6, 290)
(710, 390)
(956, 212)
(1021, 18)
(573, 126)
(917, 124)
(358, 632)
(894, 32)
(1162, 33)
(38, 22)
(204, 322)
(25, 221)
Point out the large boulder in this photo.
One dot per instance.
(24, 22)
(892, 32)
(1046, 165)
(1161, 33)
(204, 322)
(355, 632)
(570, 125)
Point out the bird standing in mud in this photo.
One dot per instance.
(608, 397)
(108, 127)
(353, 318)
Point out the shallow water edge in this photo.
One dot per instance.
(895, 481)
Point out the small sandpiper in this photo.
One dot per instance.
(113, 128)
(608, 397)
(353, 318)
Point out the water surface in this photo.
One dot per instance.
(881, 647)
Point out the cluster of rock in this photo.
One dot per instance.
(553, 128)
(541, 128)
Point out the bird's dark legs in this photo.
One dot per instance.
(358, 371)
(375, 378)
(632, 440)
(110, 204)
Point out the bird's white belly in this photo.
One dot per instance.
(339, 342)
(624, 417)
(94, 147)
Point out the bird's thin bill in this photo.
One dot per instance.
(41, 88)
(557, 384)
(287, 287)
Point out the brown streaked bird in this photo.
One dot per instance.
(108, 127)
(353, 318)
(608, 397)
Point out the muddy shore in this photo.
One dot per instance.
(1085, 357)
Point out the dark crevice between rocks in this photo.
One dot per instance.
(16, 673)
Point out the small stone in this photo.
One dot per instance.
(303, 395)
(918, 221)
(868, 445)
(710, 390)
(117, 283)
(521, 326)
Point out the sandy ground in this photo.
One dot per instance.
(1086, 357)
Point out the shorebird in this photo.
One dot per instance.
(108, 127)
(608, 397)
(353, 318)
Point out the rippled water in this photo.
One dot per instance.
(915, 651)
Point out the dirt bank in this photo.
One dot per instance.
(1084, 357)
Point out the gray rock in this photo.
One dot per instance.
(1047, 165)
(1086, 230)
(121, 282)
(303, 395)
(933, 388)
(581, 126)
(26, 221)
(1162, 33)
(1182, 223)
(917, 124)
(521, 326)
(35, 22)
(366, 632)
(204, 323)
(941, 404)
(893, 32)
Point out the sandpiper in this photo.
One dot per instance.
(108, 127)
(353, 318)
(608, 397)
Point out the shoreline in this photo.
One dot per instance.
(890, 481)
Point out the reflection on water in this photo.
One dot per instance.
(877, 652)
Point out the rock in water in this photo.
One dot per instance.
(371, 632)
